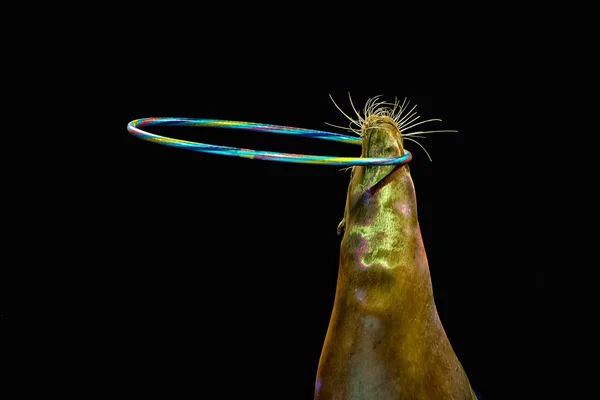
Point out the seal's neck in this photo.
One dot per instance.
(383, 255)
(389, 200)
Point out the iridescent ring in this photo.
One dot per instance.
(134, 128)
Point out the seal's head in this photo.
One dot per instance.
(381, 139)
(383, 128)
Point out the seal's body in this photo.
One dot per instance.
(385, 339)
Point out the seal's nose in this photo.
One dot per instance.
(383, 141)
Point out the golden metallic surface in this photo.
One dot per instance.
(385, 339)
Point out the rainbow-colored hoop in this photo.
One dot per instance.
(133, 128)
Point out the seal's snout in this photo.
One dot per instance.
(383, 140)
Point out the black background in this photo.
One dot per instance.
(230, 265)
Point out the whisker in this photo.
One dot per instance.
(351, 120)
(395, 105)
(341, 127)
(376, 126)
(346, 128)
(402, 109)
(366, 107)
(354, 108)
(369, 106)
(408, 115)
(422, 122)
(391, 112)
(419, 132)
(412, 140)
(409, 118)
(357, 132)
(380, 104)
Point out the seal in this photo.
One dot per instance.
(385, 339)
